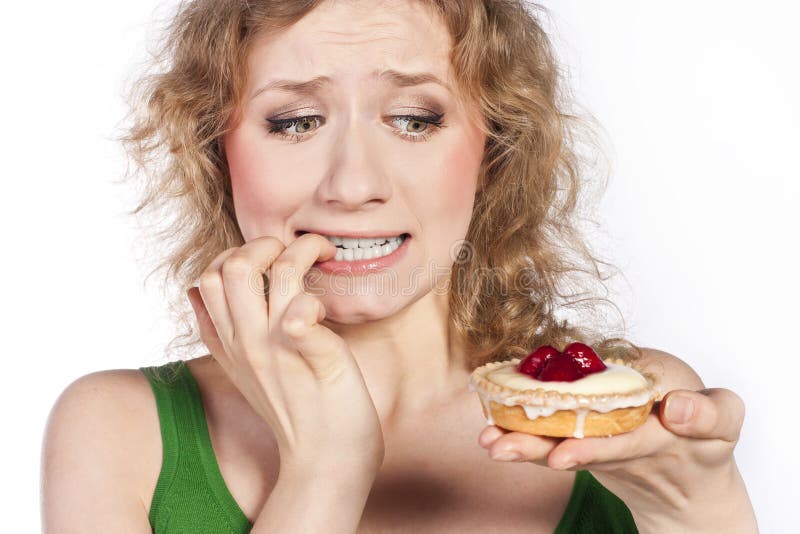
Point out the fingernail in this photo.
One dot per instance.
(679, 409)
(507, 456)
(565, 463)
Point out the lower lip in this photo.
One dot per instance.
(361, 267)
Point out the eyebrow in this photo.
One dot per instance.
(314, 85)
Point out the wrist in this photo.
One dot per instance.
(308, 467)
(314, 501)
(717, 501)
(325, 476)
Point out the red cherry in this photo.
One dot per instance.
(534, 361)
(562, 368)
(587, 359)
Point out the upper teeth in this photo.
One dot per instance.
(364, 248)
(362, 242)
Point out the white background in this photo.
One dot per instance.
(699, 105)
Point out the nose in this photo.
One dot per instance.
(356, 177)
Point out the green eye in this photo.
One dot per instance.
(308, 123)
(420, 126)
(303, 123)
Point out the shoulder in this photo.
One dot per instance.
(100, 441)
(671, 371)
(102, 402)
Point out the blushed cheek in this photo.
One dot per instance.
(459, 179)
(253, 197)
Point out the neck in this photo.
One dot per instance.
(409, 359)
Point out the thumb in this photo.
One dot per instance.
(708, 413)
(325, 352)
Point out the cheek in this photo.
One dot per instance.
(455, 191)
(449, 201)
(260, 200)
(249, 170)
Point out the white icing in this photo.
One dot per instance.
(485, 401)
(614, 379)
(580, 419)
(537, 411)
(489, 420)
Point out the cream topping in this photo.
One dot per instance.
(614, 379)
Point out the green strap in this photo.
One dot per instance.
(161, 379)
(190, 479)
(594, 509)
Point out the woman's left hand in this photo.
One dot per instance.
(676, 472)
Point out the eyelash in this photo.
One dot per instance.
(277, 127)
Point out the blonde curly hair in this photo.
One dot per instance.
(525, 261)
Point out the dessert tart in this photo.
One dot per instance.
(569, 393)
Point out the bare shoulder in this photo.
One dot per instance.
(672, 372)
(101, 444)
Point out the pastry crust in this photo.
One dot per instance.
(550, 413)
(563, 423)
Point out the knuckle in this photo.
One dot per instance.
(222, 255)
(290, 325)
(236, 266)
(208, 280)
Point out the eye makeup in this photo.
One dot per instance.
(278, 126)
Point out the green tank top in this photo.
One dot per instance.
(191, 495)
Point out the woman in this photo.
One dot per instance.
(335, 395)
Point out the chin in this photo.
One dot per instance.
(358, 309)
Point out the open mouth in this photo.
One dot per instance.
(363, 248)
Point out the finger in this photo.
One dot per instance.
(605, 452)
(208, 334)
(304, 310)
(708, 413)
(522, 447)
(489, 435)
(212, 291)
(242, 275)
(288, 270)
(325, 352)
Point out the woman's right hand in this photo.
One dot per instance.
(297, 374)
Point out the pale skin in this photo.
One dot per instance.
(387, 369)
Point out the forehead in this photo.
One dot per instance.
(350, 41)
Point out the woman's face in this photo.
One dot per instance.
(355, 163)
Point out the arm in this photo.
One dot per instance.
(88, 478)
(314, 502)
